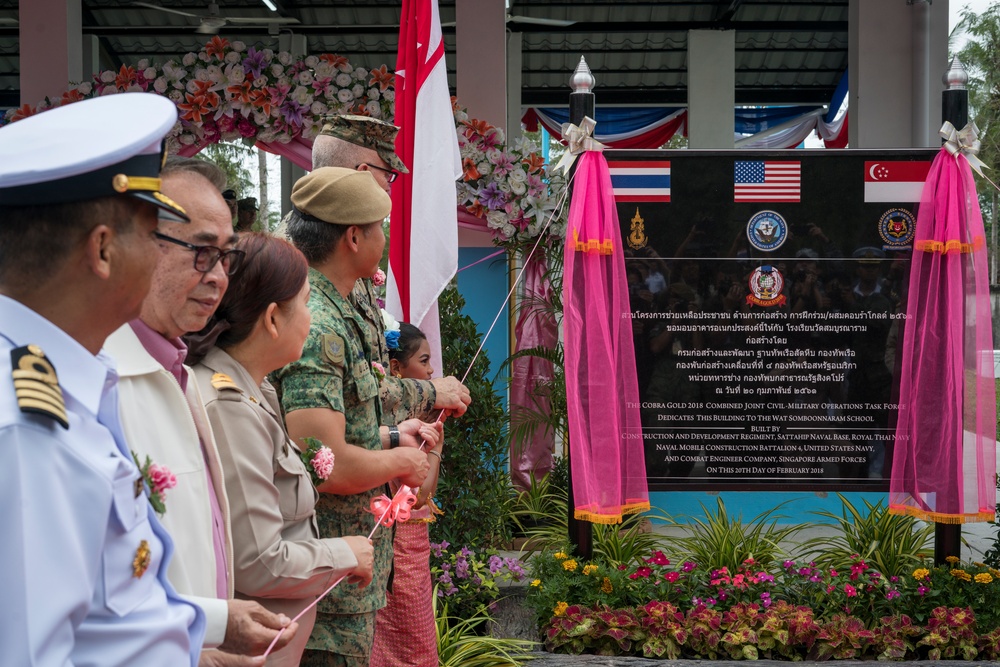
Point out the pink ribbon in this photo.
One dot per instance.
(397, 509)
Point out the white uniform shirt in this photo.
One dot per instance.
(72, 524)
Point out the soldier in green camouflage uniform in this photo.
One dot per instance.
(335, 373)
(368, 144)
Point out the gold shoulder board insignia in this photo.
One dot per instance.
(333, 348)
(222, 381)
(36, 386)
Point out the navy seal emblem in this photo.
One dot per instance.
(767, 230)
(896, 227)
(766, 283)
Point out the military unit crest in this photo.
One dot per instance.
(896, 227)
(766, 283)
(36, 386)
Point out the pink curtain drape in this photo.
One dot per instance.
(531, 457)
(944, 460)
(298, 150)
(607, 457)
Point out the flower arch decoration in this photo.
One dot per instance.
(229, 91)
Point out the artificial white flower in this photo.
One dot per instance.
(108, 76)
(189, 59)
(345, 96)
(238, 46)
(305, 78)
(517, 187)
(85, 88)
(277, 70)
(343, 80)
(160, 85)
(389, 95)
(388, 321)
(149, 73)
(311, 61)
(374, 93)
(373, 109)
(142, 64)
(285, 58)
(232, 57)
(358, 90)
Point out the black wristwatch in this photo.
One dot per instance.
(393, 437)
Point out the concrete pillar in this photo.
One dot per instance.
(481, 59)
(90, 62)
(50, 47)
(883, 90)
(514, 59)
(711, 79)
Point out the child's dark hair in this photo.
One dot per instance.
(409, 342)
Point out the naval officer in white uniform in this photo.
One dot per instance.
(84, 559)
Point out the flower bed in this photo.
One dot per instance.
(782, 611)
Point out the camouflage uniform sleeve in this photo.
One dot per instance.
(313, 381)
(404, 399)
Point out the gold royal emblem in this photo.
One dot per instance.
(637, 237)
(141, 561)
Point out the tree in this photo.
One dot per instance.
(981, 57)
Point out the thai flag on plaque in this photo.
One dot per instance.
(638, 180)
(767, 180)
(895, 180)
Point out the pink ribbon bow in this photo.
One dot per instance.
(397, 509)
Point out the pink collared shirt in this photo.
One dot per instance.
(170, 353)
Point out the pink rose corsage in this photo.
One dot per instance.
(318, 459)
(379, 278)
(158, 479)
(379, 371)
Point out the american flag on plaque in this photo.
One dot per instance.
(767, 180)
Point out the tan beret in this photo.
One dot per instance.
(341, 196)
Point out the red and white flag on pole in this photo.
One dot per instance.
(423, 229)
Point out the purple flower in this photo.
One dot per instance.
(476, 580)
(722, 594)
(254, 62)
(496, 563)
(922, 590)
(445, 566)
(462, 568)
(764, 577)
(465, 552)
(892, 595)
(894, 579)
(788, 564)
(765, 599)
(711, 601)
(293, 111)
(437, 549)
(514, 567)
(688, 566)
(492, 197)
(445, 578)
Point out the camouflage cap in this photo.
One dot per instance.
(341, 196)
(378, 135)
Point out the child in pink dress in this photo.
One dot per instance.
(405, 633)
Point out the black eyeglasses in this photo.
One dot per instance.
(391, 174)
(207, 256)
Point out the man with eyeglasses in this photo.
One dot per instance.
(163, 414)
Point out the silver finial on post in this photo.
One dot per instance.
(582, 80)
(957, 77)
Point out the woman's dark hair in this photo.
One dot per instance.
(273, 272)
(409, 342)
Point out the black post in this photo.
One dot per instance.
(954, 109)
(581, 103)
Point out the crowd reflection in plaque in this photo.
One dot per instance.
(699, 275)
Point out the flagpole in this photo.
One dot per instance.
(581, 104)
(954, 109)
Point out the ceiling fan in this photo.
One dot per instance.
(212, 22)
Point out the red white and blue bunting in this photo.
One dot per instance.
(648, 127)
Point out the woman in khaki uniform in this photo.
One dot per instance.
(260, 326)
